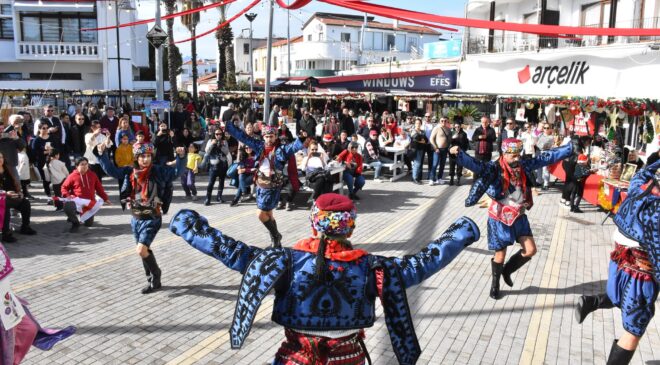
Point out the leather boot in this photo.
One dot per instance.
(275, 236)
(218, 197)
(497, 272)
(458, 181)
(451, 180)
(154, 280)
(618, 355)
(589, 303)
(515, 262)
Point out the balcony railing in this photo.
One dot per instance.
(59, 50)
(519, 42)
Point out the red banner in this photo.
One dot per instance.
(387, 11)
(173, 15)
(223, 24)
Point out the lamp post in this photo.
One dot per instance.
(159, 61)
(125, 5)
(269, 61)
(250, 17)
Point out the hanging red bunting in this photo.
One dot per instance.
(169, 16)
(297, 4)
(238, 15)
(388, 11)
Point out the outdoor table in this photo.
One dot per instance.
(397, 165)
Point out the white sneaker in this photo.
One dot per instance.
(431, 183)
(440, 182)
(378, 180)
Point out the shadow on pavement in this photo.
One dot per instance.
(205, 290)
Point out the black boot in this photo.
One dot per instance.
(589, 303)
(618, 355)
(275, 236)
(218, 197)
(497, 272)
(458, 181)
(207, 201)
(515, 262)
(154, 278)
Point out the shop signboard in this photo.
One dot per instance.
(443, 49)
(414, 81)
(601, 72)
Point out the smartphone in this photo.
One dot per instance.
(316, 154)
(47, 145)
(104, 130)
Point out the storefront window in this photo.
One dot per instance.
(6, 22)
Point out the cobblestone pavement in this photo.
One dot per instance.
(92, 279)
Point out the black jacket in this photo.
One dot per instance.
(76, 138)
(460, 139)
(490, 138)
(308, 125)
(347, 124)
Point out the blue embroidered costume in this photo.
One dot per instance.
(325, 291)
(270, 166)
(509, 185)
(146, 190)
(634, 270)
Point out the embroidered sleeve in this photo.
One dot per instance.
(471, 163)
(195, 230)
(642, 177)
(110, 168)
(240, 135)
(439, 253)
(548, 157)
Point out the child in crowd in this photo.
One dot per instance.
(192, 167)
(24, 172)
(140, 137)
(245, 172)
(124, 153)
(56, 172)
(582, 170)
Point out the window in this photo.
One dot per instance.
(400, 42)
(412, 42)
(378, 41)
(11, 76)
(336, 68)
(6, 22)
(311, 65)
(320, 36)
(55, 76)
(246, 48)
(346, 37)
(57, 27)
(390, 39)
(368, 40)
(274, 63)
(309, 37)
(255, 65)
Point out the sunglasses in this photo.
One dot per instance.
(44, 129)
(50, 110)
(509, 124)
(546, 127)
(313, 150)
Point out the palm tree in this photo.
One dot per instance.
(226, 66)
(191, 21)
(170, 7)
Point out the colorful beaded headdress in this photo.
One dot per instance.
(333, 214)
(512, 145)
(142, 148)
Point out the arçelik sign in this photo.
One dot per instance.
(551, 75)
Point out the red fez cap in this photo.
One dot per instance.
(334, 203)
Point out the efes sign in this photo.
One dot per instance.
(421, 81)
(572, 74)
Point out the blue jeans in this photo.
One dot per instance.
(377, 165)
(417, 165)
(429, 162)
(244, 181)
(354, 183)
(439, 160)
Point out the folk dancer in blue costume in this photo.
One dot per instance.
(508, 182)
(634, 271)
(325, 290)
(272, 157)
(145, 189)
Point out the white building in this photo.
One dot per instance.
(204, 67)
(336, 42)
(42, 46)
(242, 53)
(524, 64)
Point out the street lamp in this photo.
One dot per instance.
(250, 17)
(125, 5)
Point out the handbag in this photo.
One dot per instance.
(232, 171)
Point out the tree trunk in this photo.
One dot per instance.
(230, 67)
(174, 91)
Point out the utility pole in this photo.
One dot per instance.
(269, 61)
(288, 43)
(159, 61)
(119, 106)
(250, 17)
